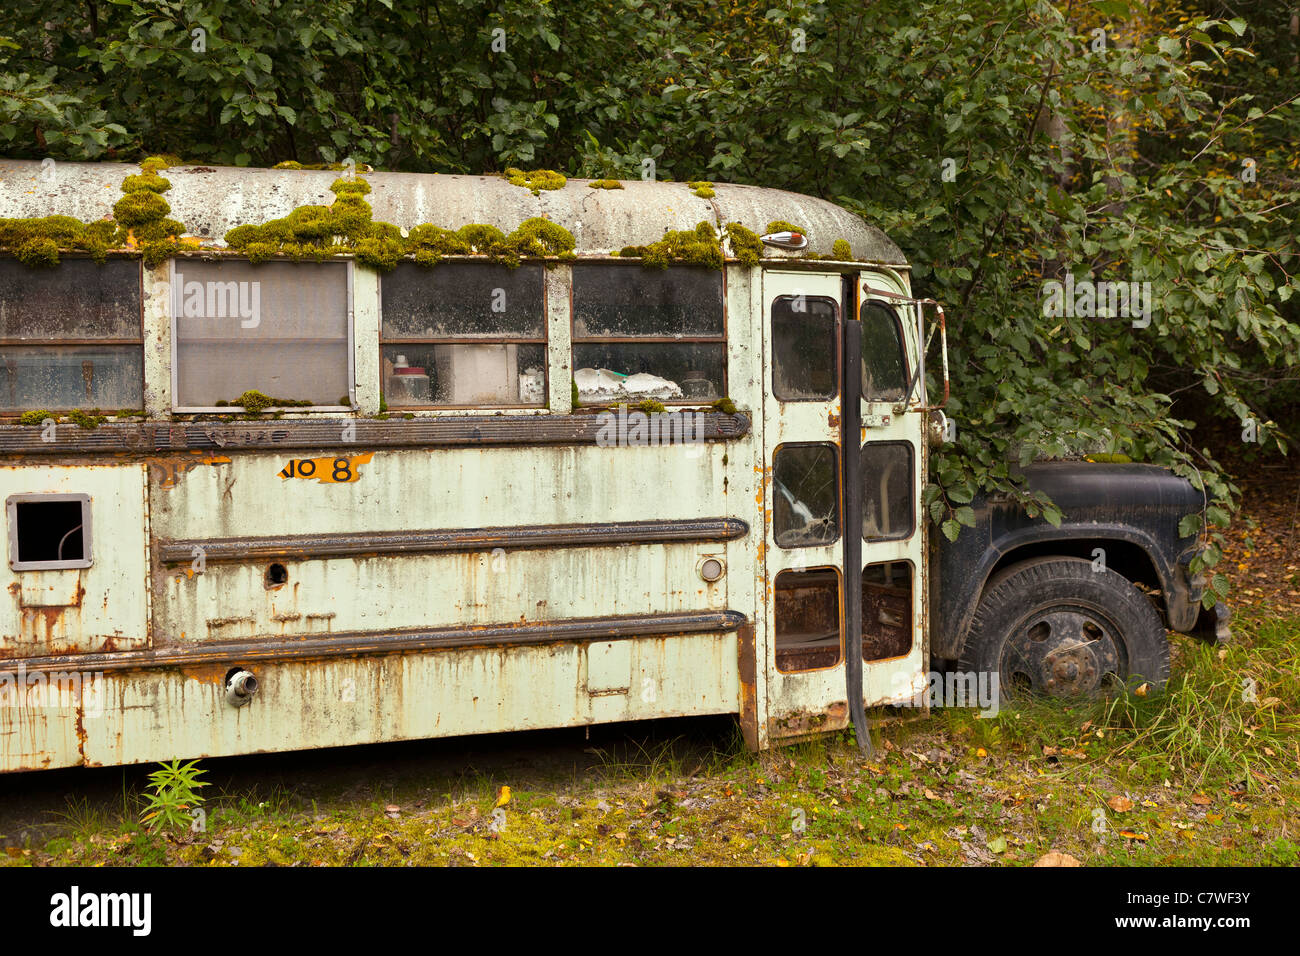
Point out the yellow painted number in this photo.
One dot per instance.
(327, 471)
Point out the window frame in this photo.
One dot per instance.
(87, 550)
(543, 340)
(837, 368)
(137, 342)
(238, 409)
(719, 339)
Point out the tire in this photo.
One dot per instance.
(1054, 627)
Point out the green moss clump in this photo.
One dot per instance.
(36, 417)
(358, 186)
(780, 225)
(724, 405)
(38, 253)
(381, 254)
(482, 239)
(702, 189)
(161, 161)
(575, 402)
(650, 406)
(605, 184)
(535, 180)
(541, 237)
(745, 245)
(88, 420)
(256, 402)
(841, 250)
(140, 207)
(149, 181)
(333, 167)
(288, 164)
(699, 246)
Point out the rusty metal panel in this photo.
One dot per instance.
(97, 608)
(140, 716)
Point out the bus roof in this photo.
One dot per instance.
(213, 199)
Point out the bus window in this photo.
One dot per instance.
(805, 347)
(807, 605)
(887, 499)
(280, 328)
(886, 610)
(884, 367)
(463, 334)
(71, 336)
(805, 495)
(648, 334)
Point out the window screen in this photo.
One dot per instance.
(280, 328)
(71, 336)
(647, 333)
(464, 334)
(805, 348)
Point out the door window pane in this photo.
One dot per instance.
(884, 366)
(886, 610)
(805, 348)
(805, 495)
(888, 507)
(807, 605)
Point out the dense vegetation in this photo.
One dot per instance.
(1002, 144)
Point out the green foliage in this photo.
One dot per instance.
(87, 420)
(699, 246)
(175, 793)
(841, 250)
(702, 189)
(36, 416)
(724, 405)
(745, 244)
(651, 406)
(780, 225)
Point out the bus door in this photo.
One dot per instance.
(841, 496)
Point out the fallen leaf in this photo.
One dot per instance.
(981, 752)
(998, 845)
(930, 794)
(1056, 859)
(503, 797)
(1201, 800)
(1120, 803)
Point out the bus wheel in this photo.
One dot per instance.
(1054, 627)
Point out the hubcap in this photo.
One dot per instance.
(1062, 651)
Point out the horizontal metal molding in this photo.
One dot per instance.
(357, 644)
(351, 544)
(448, 431)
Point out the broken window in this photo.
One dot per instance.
(463, 334)
(71, 336)
(648, 334)
(888, 507)
(279, 328)
(807, 607)
(886, 610)
(884, 362)
(805, 348)
(805, 495)
(48, 532)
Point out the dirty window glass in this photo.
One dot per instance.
(459, 374)
(804, 348)
(463, 334)
(71, 336)
(805, 495)
(463, 300)
(884, 367)
(886, 610)
(888, 510)
(48, 532)
(77, 299)
(280, 328)
(612, 300)
(807, 605)
(648, 333)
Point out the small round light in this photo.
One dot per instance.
(711, 569)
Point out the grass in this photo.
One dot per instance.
(1208, 773)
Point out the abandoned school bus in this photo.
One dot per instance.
(294, 460)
